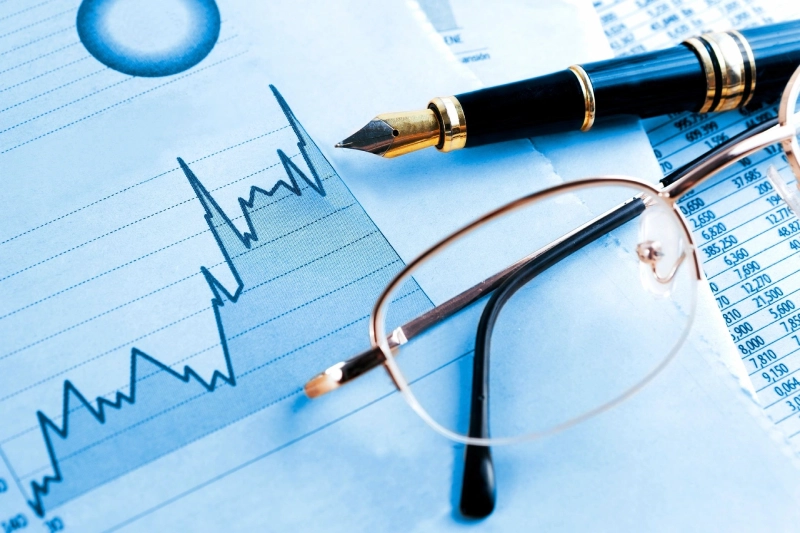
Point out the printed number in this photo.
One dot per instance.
(782, 309)
(687, 120)
(794, 404)
(750, 345)
(775, 373)
(54, 524)
(747, 178)
(732, 316)
(764, 359)
(15, 523)
(767, 297)
(791, 324)
(742, 330)
(702, 219)
(683, 29)
(763, 188)
(716, 140)
(712, 250)
(787, 387)
(723, 245)
(748, 269)
(692, 206)
(714, 231)
(694, 135)
(774, 199)
(756, 284)
(778, 216)
(728, 242)
(734, 258)
(789, 229)
(762, 117)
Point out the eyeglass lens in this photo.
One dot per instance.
(564, 344)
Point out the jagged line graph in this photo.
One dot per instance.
(307, 270)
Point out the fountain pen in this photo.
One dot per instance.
(713, 72)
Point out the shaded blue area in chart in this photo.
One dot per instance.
(97, 35)
(440, 13)
(308, 270)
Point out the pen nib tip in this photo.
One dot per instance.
(376, 137)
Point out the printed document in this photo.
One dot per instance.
(182, 248)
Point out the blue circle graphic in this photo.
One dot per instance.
(126, 38)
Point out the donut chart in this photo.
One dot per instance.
(131, 40)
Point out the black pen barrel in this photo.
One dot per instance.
(777, 54)
(649, 85)
(537, 106)
(688, 77)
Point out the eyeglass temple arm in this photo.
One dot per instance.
(478, 492)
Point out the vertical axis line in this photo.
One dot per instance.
(13, 473)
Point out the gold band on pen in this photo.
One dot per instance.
(452, 124)
(708, 68)
(588, 96)
(750, 65)
(729, 67)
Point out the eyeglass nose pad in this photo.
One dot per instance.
(660, 250)
(790, 194)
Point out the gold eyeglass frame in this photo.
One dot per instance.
(782, 130)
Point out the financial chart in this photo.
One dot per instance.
(147, 323)
(746, 236)
(166, 295)
(310, 254)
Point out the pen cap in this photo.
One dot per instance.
(590, 319)
(712, 72)
(649, 84)
(776, 53)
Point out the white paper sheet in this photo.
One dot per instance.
(359, 459)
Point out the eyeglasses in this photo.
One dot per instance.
(566, 349)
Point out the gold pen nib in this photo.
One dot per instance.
(393, 134)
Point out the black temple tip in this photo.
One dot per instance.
(479, 491)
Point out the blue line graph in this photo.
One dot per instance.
(307, 271)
